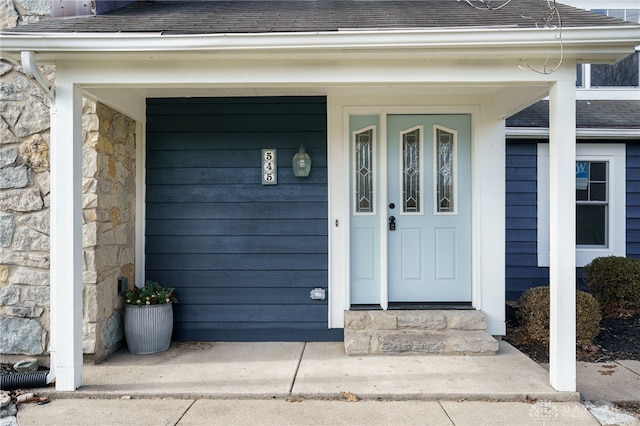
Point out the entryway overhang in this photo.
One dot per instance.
(588, 44)
(464, 70)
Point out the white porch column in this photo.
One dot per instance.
(562, 238)
(66, 236)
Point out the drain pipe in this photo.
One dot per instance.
(32, 379)
(36, 378)
(31, 70)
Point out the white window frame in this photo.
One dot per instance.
(615, 155)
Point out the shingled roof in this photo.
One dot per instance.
(589, 115)
(265, 16)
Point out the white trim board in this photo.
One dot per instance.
(615, 154)
(487, 205)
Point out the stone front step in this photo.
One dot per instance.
(438, 332)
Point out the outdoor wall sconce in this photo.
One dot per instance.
(301, 163)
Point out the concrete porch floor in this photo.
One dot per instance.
(224, 370)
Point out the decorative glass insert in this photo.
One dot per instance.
(444, 171)
(364, 171)
(411, 172)
(591, 203)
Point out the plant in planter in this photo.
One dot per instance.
(148, 318)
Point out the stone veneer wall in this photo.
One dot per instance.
(24, 198)
(108, 186)
(108, 237)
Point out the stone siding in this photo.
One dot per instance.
(108, 237)
(108, 186)
(438, 332)
(24, 198)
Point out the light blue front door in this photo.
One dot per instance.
(423, 166)
(429, 208)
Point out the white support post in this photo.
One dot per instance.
(488, 186)
(562, 238)
(66, 237)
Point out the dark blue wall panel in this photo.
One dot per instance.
(633, 200)
(522, 271)
(242, 256)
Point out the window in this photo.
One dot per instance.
(579, 78)
(591, 203)
(600, 202)
(621, 74)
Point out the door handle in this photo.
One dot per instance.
(392, 223)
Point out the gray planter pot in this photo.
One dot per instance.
(148, 328)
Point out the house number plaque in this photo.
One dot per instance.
(269, 166)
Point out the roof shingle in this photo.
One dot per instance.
(590, 114)
(264, 16)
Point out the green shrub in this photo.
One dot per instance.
(151, 294)
(533, 310)
(615, 283)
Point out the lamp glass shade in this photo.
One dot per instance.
(301, 163)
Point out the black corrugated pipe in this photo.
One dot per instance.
(32, 379)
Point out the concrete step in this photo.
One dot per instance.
(438, 332)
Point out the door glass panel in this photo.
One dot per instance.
(364, 171)
(444, 167)
(411, 171)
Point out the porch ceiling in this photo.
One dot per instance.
(304, 90)
(506, 99)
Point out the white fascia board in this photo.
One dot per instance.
(602, 4)
(610, 93)
(613, 41)
(584, 133)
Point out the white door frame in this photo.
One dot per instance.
(339, 139)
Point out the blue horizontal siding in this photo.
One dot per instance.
(633, 159)
(242, 256)
(521, 223)
(295, 262)
(522, 271)
(525, 199)
(518, 247)
(516, 211)
(257, 332)
(221, 175)
(195, 121)
(234, 193)
(216, 210)
(233, 158)
(243, 278)
(521, 260)
(522, 236)
(259, 227)
(236, 244)
(521, 187)
(633, 199)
